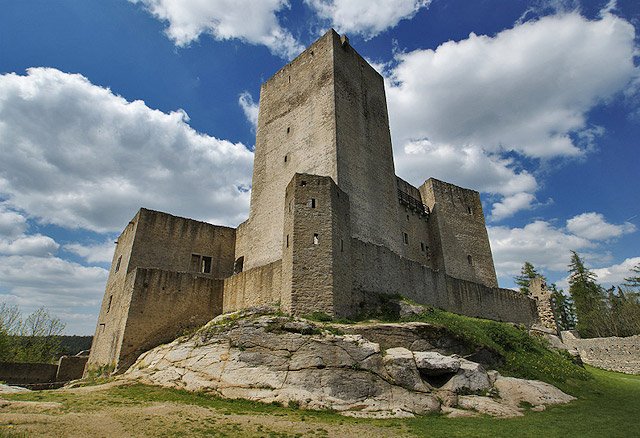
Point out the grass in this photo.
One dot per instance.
(608, 405)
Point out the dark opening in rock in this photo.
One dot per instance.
(437, 380)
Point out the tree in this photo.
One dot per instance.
(633, 280)
(589, 298)
(563, 309)
(34, 339)
(527, 273)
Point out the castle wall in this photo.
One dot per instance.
(316, 268)
(254, 287)
(168, 242)
(105, 348)
(613, 353)
(164, 304)
(364, 154)
(457, 223)
(296, 121)
(376, 269)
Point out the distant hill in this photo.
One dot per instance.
(72, 345)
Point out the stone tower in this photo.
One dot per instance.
(324, 114)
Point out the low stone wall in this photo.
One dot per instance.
(614, 354)
(255, 287)
(376, 270)
(71, 368)
(27, 373)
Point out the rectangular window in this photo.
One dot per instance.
(206, 265)
(109, 303)
(312, 203)
(316, 239)
(118, 264)
(287, 241)
(101, 328)
(405, 238)
(341, 245)
(422, 246)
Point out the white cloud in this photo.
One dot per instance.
(594, 226)
(366, 17)
(615, 274)
(12, 224)
(65, 288)
(511, 204)
(254, 22)
(93, 253)
(527, 89)
(76, 155)
(34, 245)
(249, 107)
(539, 242)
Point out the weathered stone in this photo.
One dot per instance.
(488, 406)
(435, 364)
(514, 391)
(401, 367)
(471, 377)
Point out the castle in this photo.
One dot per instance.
(331, 227)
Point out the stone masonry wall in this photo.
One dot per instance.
(168, 242)
(363, 145)
(295, 133)
(163, 305)
(315, 255)
(255, 287)
(376, 269)
(614, 353)
(458, 224)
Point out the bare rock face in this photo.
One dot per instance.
(272, 358)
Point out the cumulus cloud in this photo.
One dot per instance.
(35, 245)
(539, 242)
(77, 155)
(615, 274)
(93, 253)
(12, 223)
(526, 90)
(69, 290)
(254, 22)
(249, 107)
(594, 226)
(366, 17)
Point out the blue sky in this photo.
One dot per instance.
(110, 105)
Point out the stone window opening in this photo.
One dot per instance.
(109, 303)
(312, 202)
(407, 218)
(341, 245)
(288, 129)
(101, 328)
(469, 260)
(289, 79)
(285, 158)
(238, 265)
(422, 246)
(287, 241)
(118, 264)
(205, 268)
(303, 183)
(195, 262)
(469, 210)
(316, 239)
(405, 238)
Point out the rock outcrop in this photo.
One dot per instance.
(271, 358)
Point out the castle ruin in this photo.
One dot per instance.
(331, 227)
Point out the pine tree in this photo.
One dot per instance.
(633, 280)
(563, 309)
(527, 273)
(588, 297)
